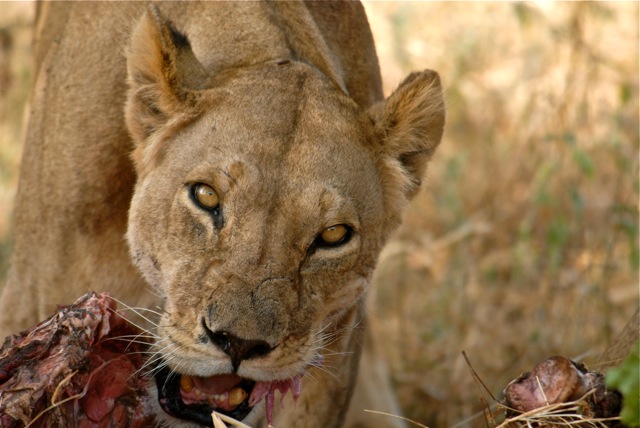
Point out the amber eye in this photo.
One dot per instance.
(206, 197)
(334, 235)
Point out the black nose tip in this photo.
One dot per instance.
(236, 348)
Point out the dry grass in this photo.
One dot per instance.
(561, 415)
(524, 243)
(580, 413)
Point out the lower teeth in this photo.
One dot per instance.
(236, 396)
(227, 401)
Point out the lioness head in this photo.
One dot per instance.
(263, 198)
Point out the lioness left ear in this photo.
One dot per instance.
(162, 74)
(409, 124)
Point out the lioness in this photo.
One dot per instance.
(246, 153)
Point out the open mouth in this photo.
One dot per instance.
(194, 398)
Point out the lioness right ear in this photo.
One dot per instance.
(409, 126)
(162, 73)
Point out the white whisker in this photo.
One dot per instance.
(158, 355)
(326, 369)
(137, 311)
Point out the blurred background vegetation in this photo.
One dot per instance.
(16, 20)
(524, 242)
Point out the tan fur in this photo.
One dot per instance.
(277, 106)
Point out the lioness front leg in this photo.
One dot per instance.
(373, 393)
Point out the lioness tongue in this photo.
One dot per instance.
(267, 391)
(216, 384)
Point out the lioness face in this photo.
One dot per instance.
(272, 194)
(272, 218)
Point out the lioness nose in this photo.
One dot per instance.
(236, 348)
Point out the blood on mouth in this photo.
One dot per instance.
(227, 392)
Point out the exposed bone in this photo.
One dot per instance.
(559, 380)
(555, 380)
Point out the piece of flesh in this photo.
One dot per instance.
(76, 369)
(85, 367)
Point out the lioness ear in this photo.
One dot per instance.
(409, 124)
(162, 74)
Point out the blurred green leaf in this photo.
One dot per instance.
(569, 138)
(541, 194)
(626, 93)
(625, 219)
(584, 162)
(577, 201)
(522, 12)
(558, 232)
(626, 379)
(557, 236)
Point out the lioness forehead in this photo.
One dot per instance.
(285, 129)
(282, 103)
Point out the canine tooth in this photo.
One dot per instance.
(186, 383)
(237, 396)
